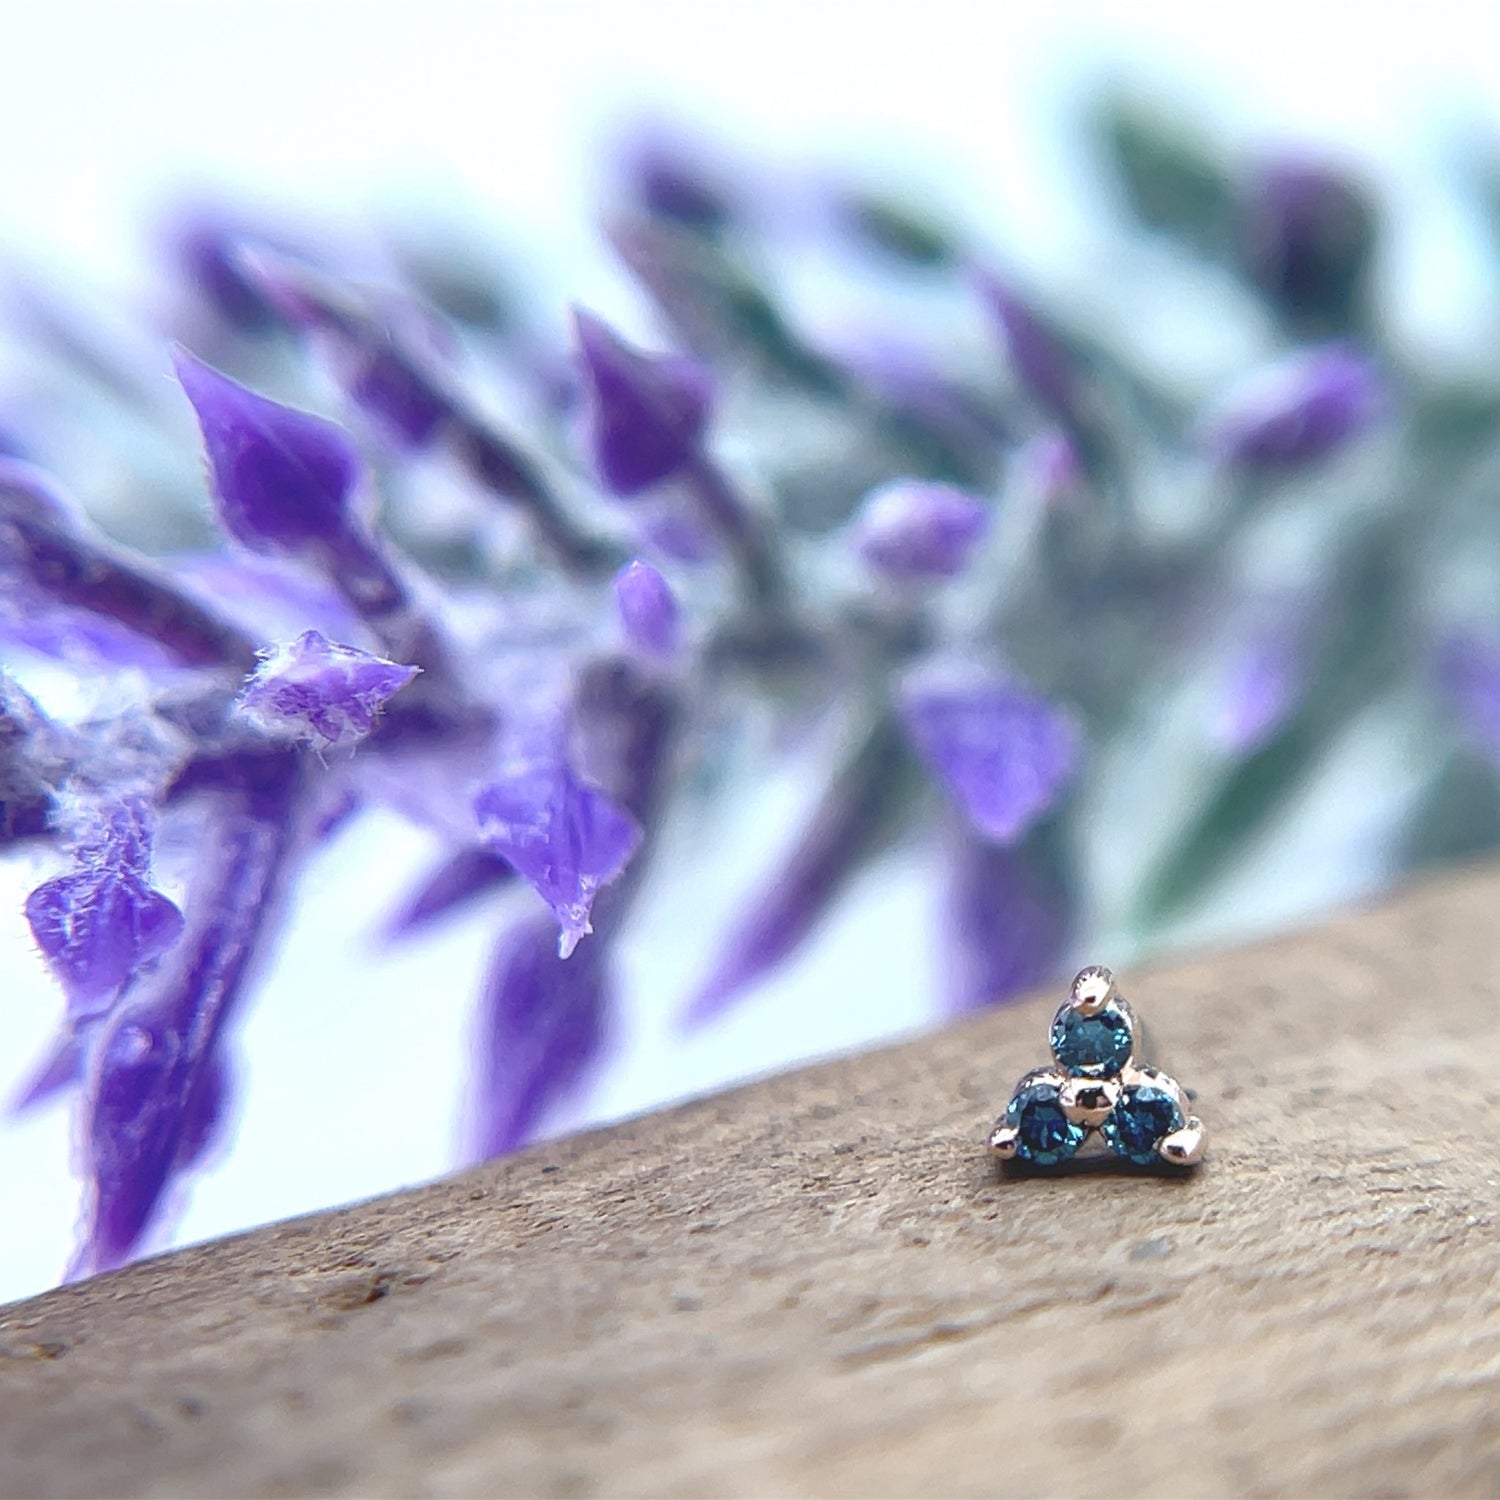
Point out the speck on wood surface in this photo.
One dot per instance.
(818, 1285)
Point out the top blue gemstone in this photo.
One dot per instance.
(1096, 1046)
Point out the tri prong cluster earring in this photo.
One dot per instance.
(1096, 1099)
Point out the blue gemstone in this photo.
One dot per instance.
(1144, 1115)
(1096, 1046)
(1044, 1134)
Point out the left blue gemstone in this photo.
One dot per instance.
(1044, 1134)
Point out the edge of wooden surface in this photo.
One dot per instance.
(817, 1284)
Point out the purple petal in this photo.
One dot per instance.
(1042, 364)
(1299, 412)
(203, 1115)
(542, 1023)
(1305, 233)
(564, 837)
(847, 827)
(315, 692)
(283, 479)
(461, 878)
(647, 414)
(210, 245)
(1010, 922)
(648, 609)
(1004, 754)
(912, 531)
(146, 1109)
(665, 175)
(58, 1071)
(101, 924)
(401, 395)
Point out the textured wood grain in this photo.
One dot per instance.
(817, 1285)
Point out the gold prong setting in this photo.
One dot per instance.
(1096, 1099)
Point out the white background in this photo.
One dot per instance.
(354, 1057)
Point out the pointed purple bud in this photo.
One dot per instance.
(1305, 234)
(646, 413)
(910, 531)
(1468, 675)
(102, 923)
(542, 1022)
(311, 691)
(404, 398)
(564, 837)
(1004, 754)
(850, 823)
(283, 479)
(665, 174)
(648, 609)
(151, 1099)
(1010, 922)
(1043, 365)
(458, 880)
(1298, 412)
(209, 245)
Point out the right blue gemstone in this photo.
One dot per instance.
(1044, 1133)
(1144, 1115)
(1096, 1046)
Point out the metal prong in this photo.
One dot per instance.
(1088, 1101)
(1092, 990)
(1003, 1142)
(1184, 1147)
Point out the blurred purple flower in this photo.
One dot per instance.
(209, 244)
(102, 922)
(564, 837)
(1004, 754)
(1009, 923)
(664, 174)
(284, 479)
(848, 824)
(1300, 411)
(150, 1096)
(406, 400)
(912, 531)
(646, 413)
(542, 1022)
(455, 882)
(648, 609)
(52, 561)
(1305, 234)
(1046, 369)
(59, 1070)
(315, 692)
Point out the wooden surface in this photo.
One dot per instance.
(818, 1285)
